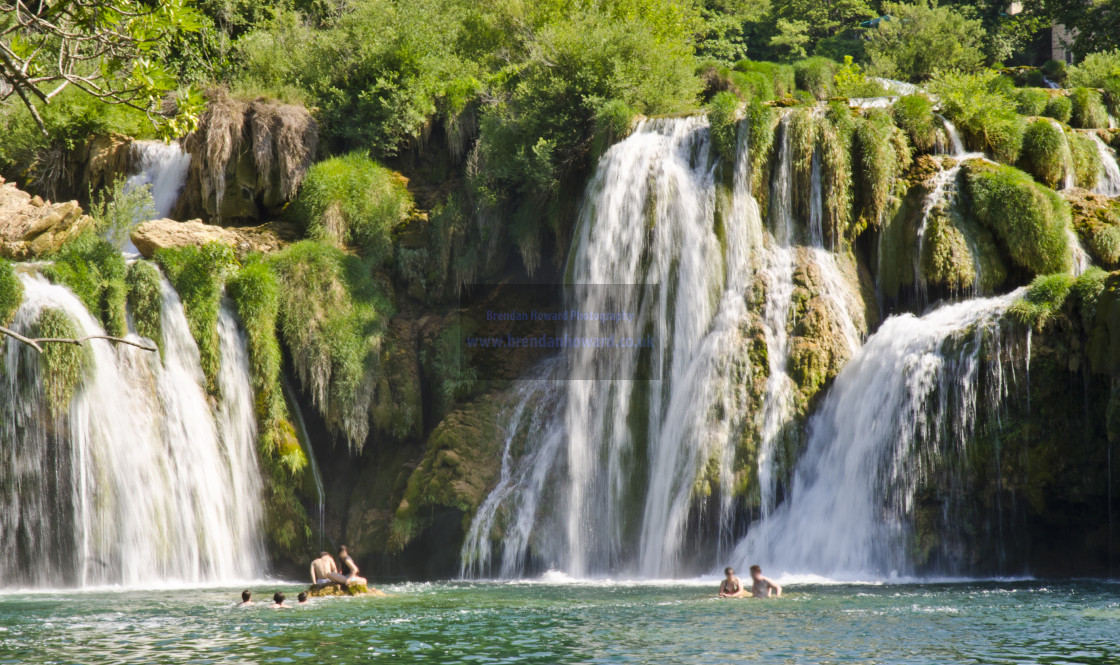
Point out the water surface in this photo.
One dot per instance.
(461, 622)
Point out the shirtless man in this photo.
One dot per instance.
(323, 568)
(763, 587)
(731, 587)
(246, 599)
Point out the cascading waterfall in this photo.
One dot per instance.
(609, 482)
(954, 137)
(1109, 184)
(163, 167)
(908, 401)
(143, 481)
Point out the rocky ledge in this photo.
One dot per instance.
(31, 227)
(168, 233)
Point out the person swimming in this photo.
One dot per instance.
(246, 599)
(278, 601)
(763, 587)
(731, 586)
(302, 598)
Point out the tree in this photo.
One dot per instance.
(107, 48)
(921, 38)
(1005, 34)
(1097, 23)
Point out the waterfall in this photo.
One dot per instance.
(1109, 184)
(610, 475)
(163, 167)
(906, 403)
(954, 137)
(305, 443)
(143, 481)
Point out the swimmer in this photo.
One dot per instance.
(763, 587)
(278, 601)
(246, 599)
(731, 587)
(302, 598)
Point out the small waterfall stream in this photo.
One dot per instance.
(163, 167)
(1109, 184)
(912, 393)
(144, 481)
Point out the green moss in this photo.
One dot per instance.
(1096, 219)
(1088, 289)
(723, 119)
(914, 115)
(1031, 101)
(1044, 152)
(802, 128)
(145, 300)
(353, 199)
(1088, 109)
(1043, 299)
(761, 122)
(880, 163)
(781, 78)
(946, 257)
(333, 313)
(1029, 220)
(94, 270)
(63, 366)
(1087, 166)
(815, 76)
(11, 292)
(198, 275)
(1059, 107)
(835, 134)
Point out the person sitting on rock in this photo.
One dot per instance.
(352, 576)
(325, 571)
(731, 587)
(762, 586)
(278, 601)
(246, 599)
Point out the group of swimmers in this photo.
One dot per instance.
(324, 572)
(761, 586)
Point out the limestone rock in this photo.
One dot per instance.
(164, 233)
(31, 227)
(104, 159)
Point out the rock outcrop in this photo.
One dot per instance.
(163, 233)
(31, 227)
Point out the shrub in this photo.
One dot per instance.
(914, 115)
(815, 76)
(723, 118)
(332, 317)
(353, 199)
(11, 292)
(1111, 87)
(760, 141)
(1031, 101)
(613, 120)
(921, 38)
(119, 208)
(63, 366)
(1087, 166)
(1059, 107)
(1095, 69)
(781, 77)
(985, 117)
(145, 300)
(1031, 221)
(1044, 152)
(198, 275)
(1088, 109)
(94, 270)
(849, 81)
(835, 132)
(1044, 297)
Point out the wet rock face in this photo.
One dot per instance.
(31, 227)
(167, 233)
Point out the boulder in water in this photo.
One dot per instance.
(164, 233)
(352, 589)
(31, 227)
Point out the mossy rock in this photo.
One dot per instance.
(336, 590)
(398, 408)
(1045, 152)
(957, 254)
(1029, 221)
(11, 292)
(459, 467)
(1096, 219)
(64, 367)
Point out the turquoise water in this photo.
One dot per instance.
(1010, 622)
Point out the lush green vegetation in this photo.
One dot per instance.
(1045, 152)
(919, 39)
(63, 366)
(723, 117)
(353, 200)
(914, 115)
(95, 271)
(1029, 220)
(1043, 299)
(119, 208)
(981, 110)
(11, 292)
(198, 275)
(145, 300)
